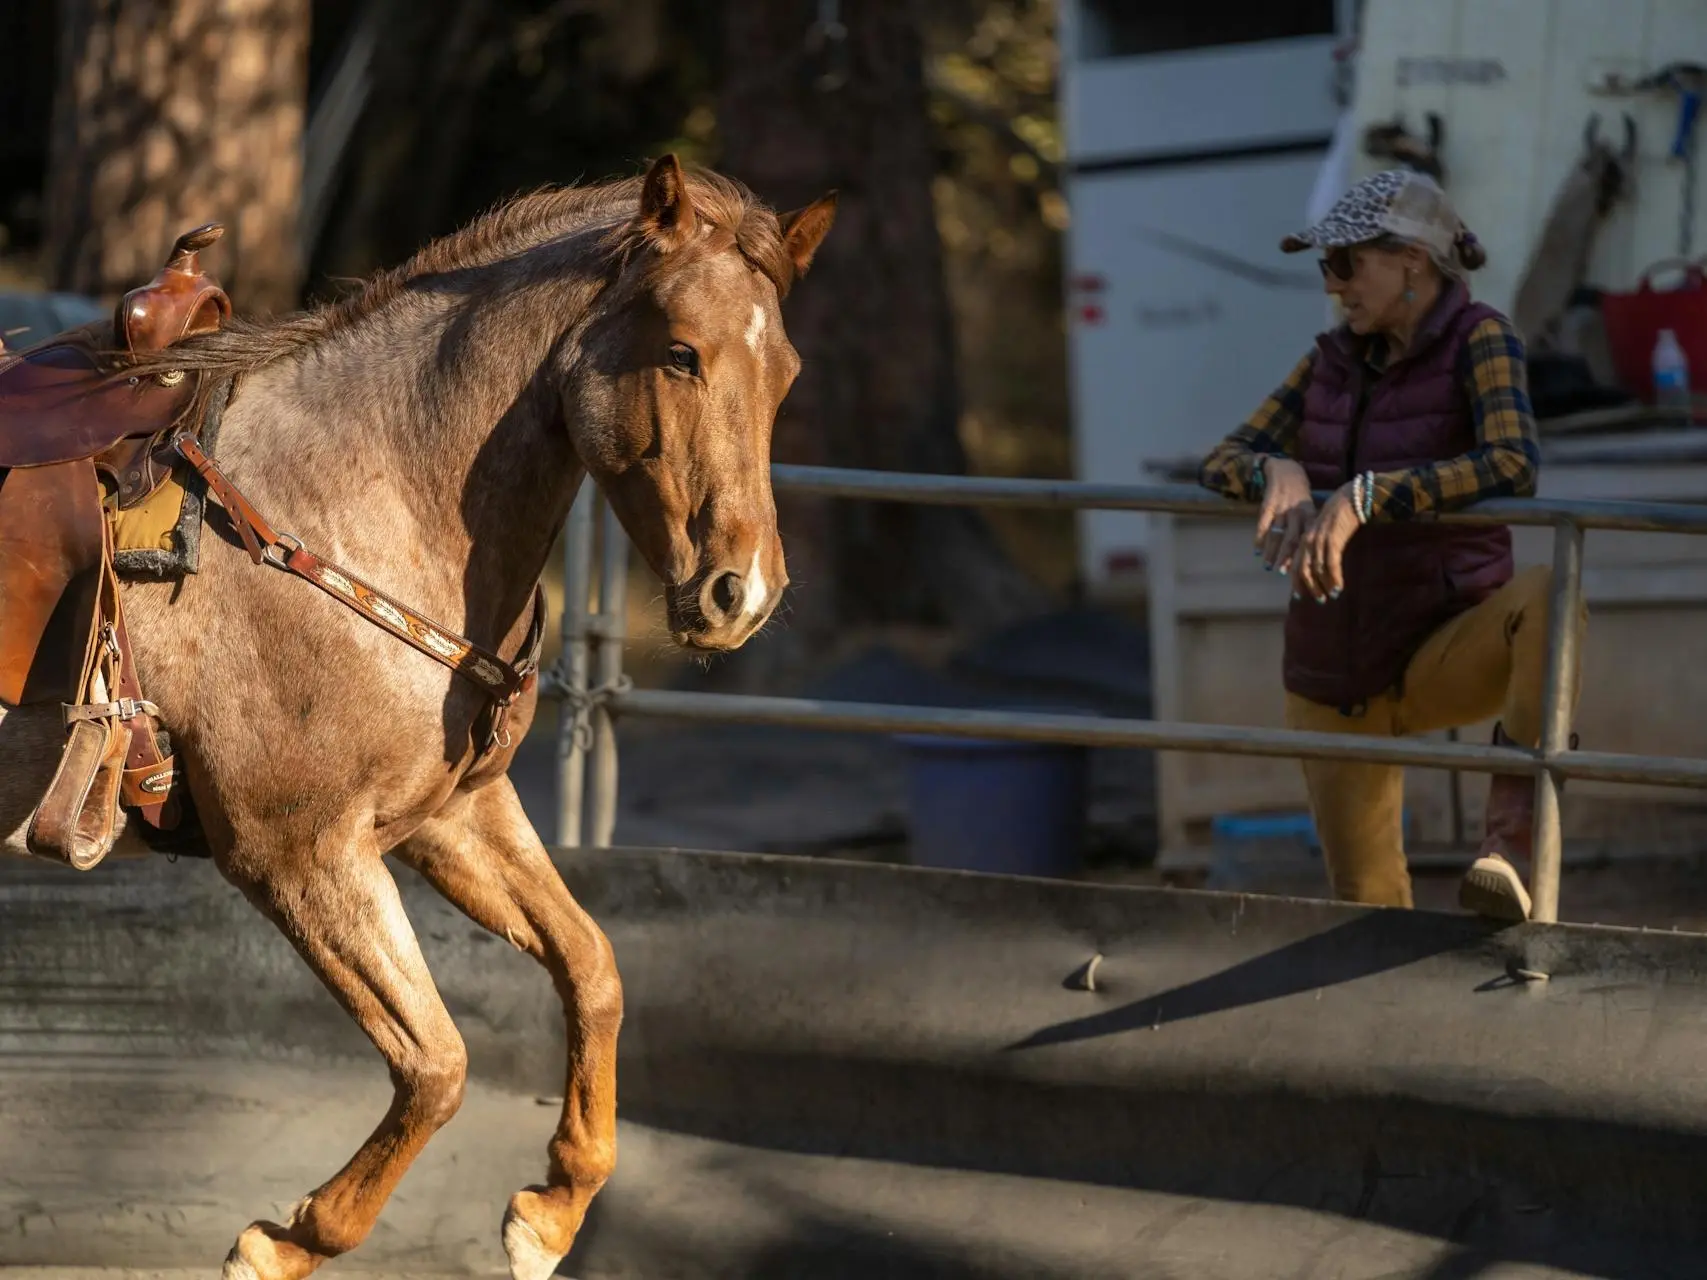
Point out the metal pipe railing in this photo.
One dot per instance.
(569, 679)
(1558, 702)
(1187, 500)
(1220, 739)
(1550, 765)
(613, 606)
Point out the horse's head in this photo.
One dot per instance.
(681, 371)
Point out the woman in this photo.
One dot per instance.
(1418, 403)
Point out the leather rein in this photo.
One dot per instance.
(503, 682)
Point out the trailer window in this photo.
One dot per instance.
(1121, 29)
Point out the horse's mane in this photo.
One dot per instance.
(511, 228)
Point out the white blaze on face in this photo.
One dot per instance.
(757, 589)
(755, 329)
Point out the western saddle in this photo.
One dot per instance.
(85, 440)
(81, 439)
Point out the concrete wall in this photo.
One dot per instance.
(843, 1069)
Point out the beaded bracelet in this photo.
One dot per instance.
(1363, 495)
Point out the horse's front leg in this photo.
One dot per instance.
(339, 906)
(483, 855)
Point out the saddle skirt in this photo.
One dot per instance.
(83, 442)
(90, 455)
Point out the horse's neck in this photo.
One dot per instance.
(442, 477)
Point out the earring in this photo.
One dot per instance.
(1410, 291)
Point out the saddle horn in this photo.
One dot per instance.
(182, 300)
(187, 246)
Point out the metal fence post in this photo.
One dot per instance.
(608, 635)
(1558, 701)
(572, 666)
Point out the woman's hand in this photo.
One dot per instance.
(1320, 557)
(1286, 511)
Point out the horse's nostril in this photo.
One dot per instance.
(726, 592)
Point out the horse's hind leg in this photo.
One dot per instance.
(341, 910)
(484, 856)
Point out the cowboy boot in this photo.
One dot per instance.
(1493, 886)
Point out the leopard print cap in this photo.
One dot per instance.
(1396, 202)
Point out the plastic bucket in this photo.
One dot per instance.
(1265, 852)
(1011, 807)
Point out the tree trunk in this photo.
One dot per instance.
(798, 115)
(173, 114)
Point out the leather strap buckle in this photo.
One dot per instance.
(278, 558)
(122, 709)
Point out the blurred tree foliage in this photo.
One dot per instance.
(166, 116)
(468, 101)
(999, 202)
(838, 99)
(475, 99)
(1000, 210)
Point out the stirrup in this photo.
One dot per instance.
(77, 821)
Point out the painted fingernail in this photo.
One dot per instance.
(1296, 596)
(1321, 600)
(1282, 568)
(1335, 593)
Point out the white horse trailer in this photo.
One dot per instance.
(1514, 84)
(1195, 136)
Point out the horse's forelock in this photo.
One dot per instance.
(734, 217)
(759, 238)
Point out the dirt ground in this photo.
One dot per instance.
(679, 1207)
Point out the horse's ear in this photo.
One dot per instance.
(665, 207)
(804, 230)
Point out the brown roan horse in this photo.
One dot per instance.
(430, 433)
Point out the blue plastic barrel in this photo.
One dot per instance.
(1011, 807)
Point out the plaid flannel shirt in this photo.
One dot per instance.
(1503, 463)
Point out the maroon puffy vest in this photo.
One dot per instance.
(1402, 579)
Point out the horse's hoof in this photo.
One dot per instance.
(530, 1257)
(260, 1254)
(238, 1267)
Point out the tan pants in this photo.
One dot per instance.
(1491, 660)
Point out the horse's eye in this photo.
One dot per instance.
(685, 358)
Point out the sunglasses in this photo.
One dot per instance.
(1337, 263)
